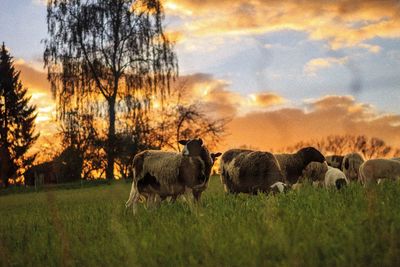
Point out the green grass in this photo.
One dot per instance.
(311, 227)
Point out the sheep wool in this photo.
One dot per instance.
(162, 165)
(373, 170)
(335, 178)
(314, 171)
(292, 165)
(246, 171)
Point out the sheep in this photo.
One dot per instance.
(351, 164)
(314, 172)
(247, 171)
(323, 175)
(335, 161)
(279, 187)
(335, 178)
(292, 165)
(209, 160)
(163, 174)
(375, 170)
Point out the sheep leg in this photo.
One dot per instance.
(196, 196)
(133, 198)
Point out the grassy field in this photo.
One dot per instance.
(311, 227)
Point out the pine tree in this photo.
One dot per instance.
(17, 121)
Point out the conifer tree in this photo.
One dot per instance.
(17, 121)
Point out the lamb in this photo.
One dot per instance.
(335, 161)
(247, 171)
(335, 178)
(351, 164)
(322, 175)
(314, 172)
(279, 187)
(163, 174)
(292, 165)
(375, 170)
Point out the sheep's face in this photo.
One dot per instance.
(310, 154)
(279, 187)
(192, 147)
(350, 166)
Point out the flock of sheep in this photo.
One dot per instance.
(160, 174)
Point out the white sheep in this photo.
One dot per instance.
(335, 178)
(322, 175)
(375, 170)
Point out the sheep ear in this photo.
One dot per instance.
(201, 141)
(183, 142)
(216, 155)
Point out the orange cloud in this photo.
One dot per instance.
(266, 99)
(343, 23)
(216, 97)
(41, 97)
(321, 117)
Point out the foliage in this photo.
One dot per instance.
(79, 131)
(101, 53)
(310, 227)
(17, 120)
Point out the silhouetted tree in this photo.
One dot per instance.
(182, 118)
(113, 50)
(340, 144)
(17, 120)
(78, 131)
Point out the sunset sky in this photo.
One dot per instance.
(285, 71)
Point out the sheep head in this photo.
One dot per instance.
(192, 147)
(310, 154)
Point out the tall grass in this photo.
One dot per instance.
(311, 227)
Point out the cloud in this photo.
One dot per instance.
(265, 99)
(322, 63)
(39, 2)
(319, 118)
(342, 23)
(41, 97)
(217, 98)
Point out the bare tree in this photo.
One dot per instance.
(183, 118)
(100, 52)
(341, 144)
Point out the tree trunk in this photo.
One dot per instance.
(110, 139)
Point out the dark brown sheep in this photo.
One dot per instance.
(292, 165)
